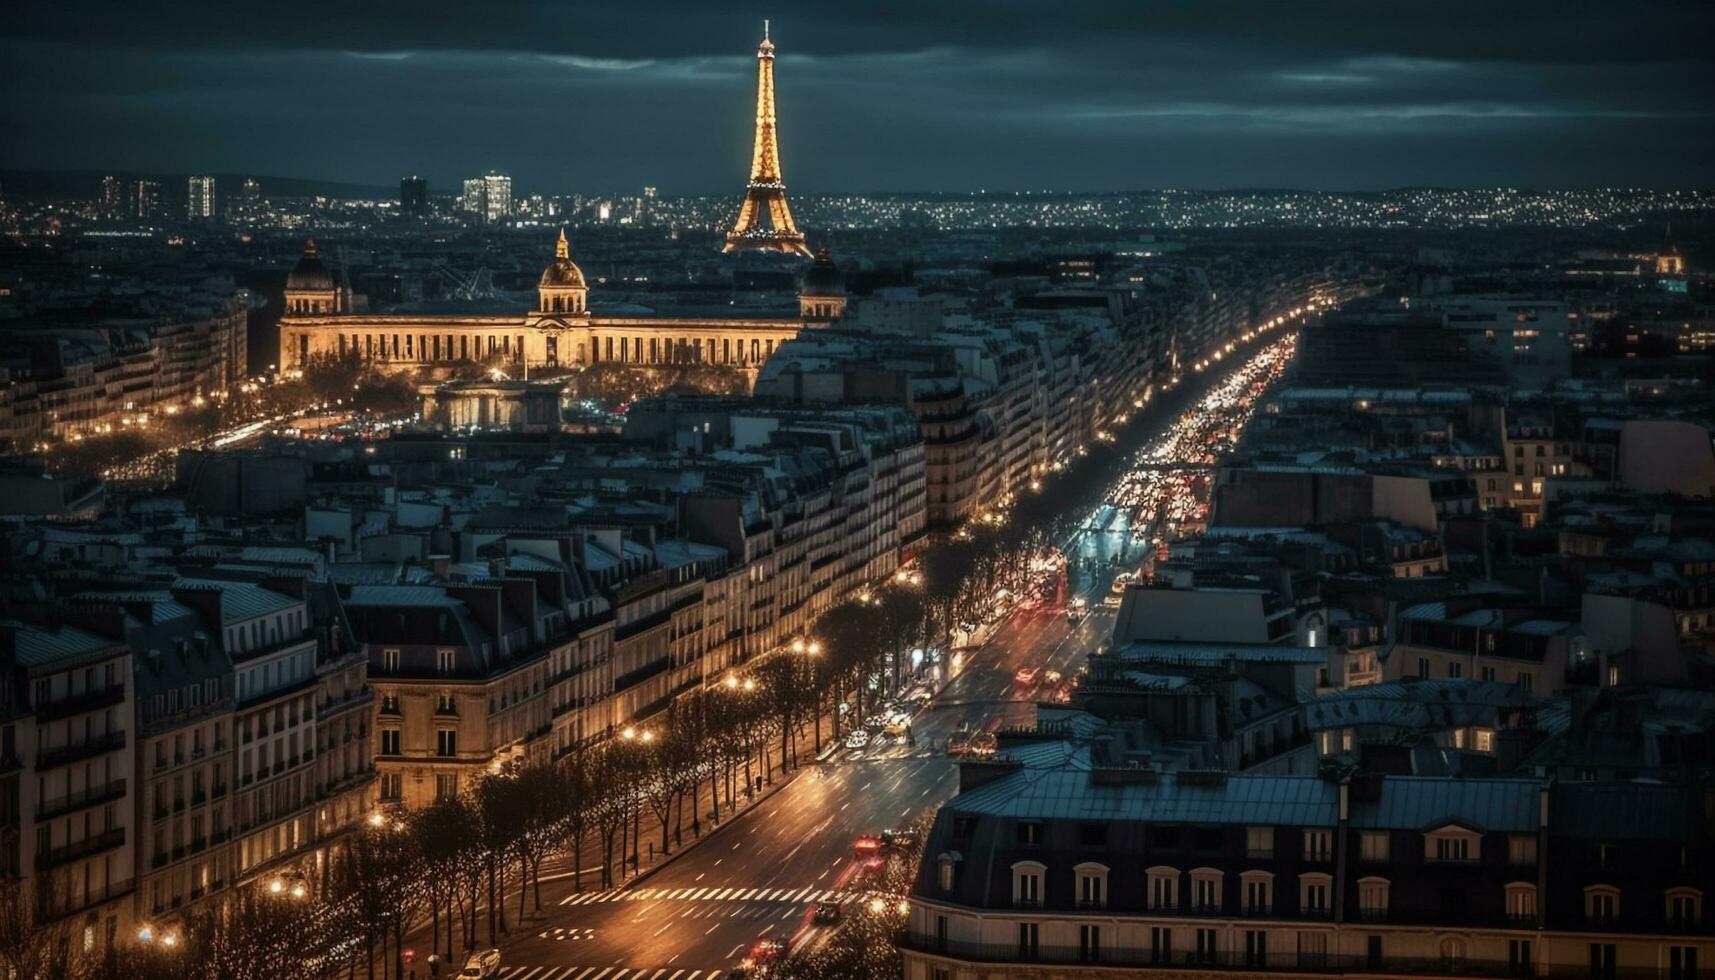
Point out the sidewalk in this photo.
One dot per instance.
(650, 859)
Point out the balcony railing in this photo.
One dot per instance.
(76, 704)
(60, 755)
(1227, 962)
(54, 857)
(104, 793)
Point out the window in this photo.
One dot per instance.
(1452, 950)
(1313, 892)
(1208, 946)
(1521, 901)
(1259, 892)
(1259, 842)
(390, 786)
(1029, 832)
(445, 660)
(1521, 849)
(390, 741)
(1601, 903)
(946, 869)
(1451, 843)
(1373, 846)
(1684, 907)
(1089, 943)
(1423, 667)
(1029, 940)
(1206, 889)
(1518, 957)
(446, 786)
(446, 742)
(1373, 952)
(390, 661)
(1256, 947)
(1027, 884)
(1160, 944)
(1372, 898)
(1682, 963)
(1092, 882)
(446, 704)
(1602, 961)
(940, 932)
(390, 703)
(1318, 845)
(1163, 888)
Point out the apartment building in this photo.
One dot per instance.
(67, 782)
(1033, 871)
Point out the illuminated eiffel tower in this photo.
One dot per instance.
(766, 193)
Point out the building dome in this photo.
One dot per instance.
(309, 274)
(564, 272)
(823, 277)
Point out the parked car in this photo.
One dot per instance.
(481, 966)
(827, 913)
(857, 739)
(894, 729)
(1025, 676)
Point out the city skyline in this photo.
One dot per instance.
(1091, 99)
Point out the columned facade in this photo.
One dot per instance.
(561, 333)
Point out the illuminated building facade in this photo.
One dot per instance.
(199, 199)
(561, 332)
(766, 193)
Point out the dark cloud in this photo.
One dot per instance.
(1074, 95)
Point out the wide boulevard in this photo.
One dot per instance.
(761, 874)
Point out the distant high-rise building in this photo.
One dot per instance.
(497, 197)
(148, 197)
(251, 191)
(471, 199)
(413, 195)
(199, 199)
(112, 196)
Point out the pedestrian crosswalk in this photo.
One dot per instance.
(791, 896)
(605, 973)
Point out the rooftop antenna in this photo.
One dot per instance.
(765, 28)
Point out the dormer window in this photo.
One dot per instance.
(947, 870)
(1452, 844)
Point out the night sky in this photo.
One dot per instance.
(925, 95)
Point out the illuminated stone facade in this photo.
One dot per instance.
(561, 332)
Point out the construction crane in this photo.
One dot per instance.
(477, 285)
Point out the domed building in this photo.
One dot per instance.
(310, 288)
(561, 332)
(821, 291)
(562, 288)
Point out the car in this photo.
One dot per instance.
(766, 951)
(868, 845)
(894, 729)
(481, 966)
(826, 914)
(1025, 676)
(1051, 677)
(857, 739)
(897, 838)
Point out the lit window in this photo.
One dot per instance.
(1372, 897)
(1374, 846)
(1027, 883)
(1163, 888)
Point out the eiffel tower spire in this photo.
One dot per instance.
(764, 220)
